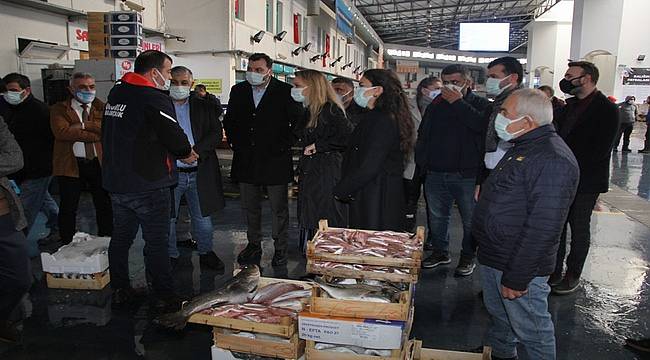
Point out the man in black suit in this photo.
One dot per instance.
(588, 124)
(258, 124)
(199, 182)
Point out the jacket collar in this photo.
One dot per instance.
(137, 80)
(541, 132)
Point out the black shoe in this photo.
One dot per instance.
(174, 262)
(166, 304)
(626, 150)
(642, 345)
(435, 260)
(189, 243)
(211, 261)
(279, 259)
(568, 285)
(252, 254)
(465, 267)
(10, 333)
(127, 296)
(555, 279)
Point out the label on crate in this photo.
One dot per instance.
(372, 334)
(129, 16)
(132, 29)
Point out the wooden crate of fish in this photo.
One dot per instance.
(420, 353)
(272, 310)
(96, 281)
(382, 302)
(367, 254)
(260, 344)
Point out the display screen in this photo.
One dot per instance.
(484, 37)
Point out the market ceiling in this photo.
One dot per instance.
(434, 23)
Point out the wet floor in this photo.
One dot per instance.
(612, 303)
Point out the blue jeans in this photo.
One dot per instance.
(201, 225)
(441, 189)
(525, 319)
(33, 195)
(151, 211)
(51, 211)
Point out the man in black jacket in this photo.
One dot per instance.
(29, 121)
(141, 140)
(517, 223)
(199, 182)
(344, 88)
(258, 126)
(450, 149)
(588, 124)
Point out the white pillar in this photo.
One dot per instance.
(548, 51)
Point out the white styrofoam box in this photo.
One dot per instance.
(221, 354)
(367, 333)
(58, 264)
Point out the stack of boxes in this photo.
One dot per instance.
(115, 35)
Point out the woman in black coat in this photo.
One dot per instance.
(374, 161)
(323, 137)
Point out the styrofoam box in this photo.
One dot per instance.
(367, 333)
(90, 265)
(221, 354)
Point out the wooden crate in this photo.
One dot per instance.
(420, 353)
(98, 282)
(406, 353)
(411, 266)
(293, 349)
(287, 328)
(321, 304)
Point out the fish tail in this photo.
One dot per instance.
(176, 320)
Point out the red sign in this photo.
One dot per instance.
(149, 45)
(81, 35)
(327, 49)
(296, 29)
(126, 65)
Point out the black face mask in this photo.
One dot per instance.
(568, 87)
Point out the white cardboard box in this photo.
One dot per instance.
(367, 333)
(221, 354)
(52, 263)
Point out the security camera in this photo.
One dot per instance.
(315, 57)
(132, 6)
(296, 51)
(279, 36)
(257, 37)
(306, 47)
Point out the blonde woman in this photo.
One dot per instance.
(324, 137)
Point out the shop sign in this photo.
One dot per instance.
(153, 44)
(637, 76)
(78, 35)
(122, 67)
(212, 85)
(407, 67)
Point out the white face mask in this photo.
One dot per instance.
(14, 97)
(455, 87)
(493, 86)
(162, 83)
(179, 92)
(254, 78)
(501, 124)
(297, 94)
(434, 93)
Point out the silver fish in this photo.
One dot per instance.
(359, 292)
(235, 291)
(291, 304)
(297, 294)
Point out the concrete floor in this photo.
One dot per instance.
(612, 303)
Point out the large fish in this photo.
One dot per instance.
(237, 290)
(360, 292)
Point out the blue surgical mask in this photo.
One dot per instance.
(360, 96)
(493, 86)
(434, 93)
(179, 92)
(165, 85)
(342, 97)
(85, 97)
(501, 123)
(254, 78)
(14, 97)
(297, 95)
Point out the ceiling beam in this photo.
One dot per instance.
(421, 9)
(390, 24)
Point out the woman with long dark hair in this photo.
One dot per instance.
(428, 89)
(374, 161)
(323, 137)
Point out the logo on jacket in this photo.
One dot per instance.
(116, 110)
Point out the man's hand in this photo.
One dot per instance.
(191, 159)
(510, 294)
(477, 192)
(451, 95)
(310, 150)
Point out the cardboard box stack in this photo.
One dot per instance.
(371, 330)
(116, 34)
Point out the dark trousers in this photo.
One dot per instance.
(579, 220)
(70, 191)
(150, 210)
(625, 131)
(15, 273)
(251, 200)
(646, 145)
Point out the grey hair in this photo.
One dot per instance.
(80, 75)
(534, 103)
(177, 70)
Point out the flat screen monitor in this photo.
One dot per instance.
(484, 37)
